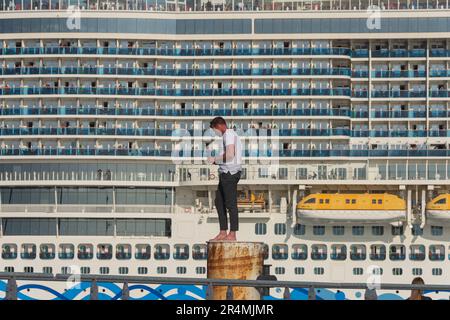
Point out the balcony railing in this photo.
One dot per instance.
(400, 74)
(181, 51)
(211, 92)
(171, 92)
(274, 111)
(145, 132)
(180, 72)
(48, 151)
(216, 51)
(149, 111)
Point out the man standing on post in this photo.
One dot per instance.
(229, 163)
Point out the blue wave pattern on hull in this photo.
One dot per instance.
(81, 292)
(112, 291)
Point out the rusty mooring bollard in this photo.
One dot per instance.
(235, 260)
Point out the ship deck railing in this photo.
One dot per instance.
(94, 280)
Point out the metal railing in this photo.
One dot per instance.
(370, 293)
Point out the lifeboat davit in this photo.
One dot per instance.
(363, 208)
(438, 209)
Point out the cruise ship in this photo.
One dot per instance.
(342, 106)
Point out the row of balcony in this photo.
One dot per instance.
(219, 72)
(171, 92)
(358, 93)
(200, 154)
(148, 132)
(355, 53)
(143, 111)
(175, 72)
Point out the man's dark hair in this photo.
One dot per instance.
(216, 121)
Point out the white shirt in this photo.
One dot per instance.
(235, 165)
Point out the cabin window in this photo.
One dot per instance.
(48, 270)
(377, 230)
(161, 270)
(321, 201)
(377, 271)
(104, 252)
(380, 201)
(9, 251)
(279, 252)
(319, 271)
(47, 251)
(85, 270)
(378, 252)
(299, 270)
(353, 201)
(85, 251)
(318, 252)
(301, 173)
(142, 252)
(199, 251)
(260, 228)
(441, 201)
(123, 270)
(436, 271)
(397, 252)
(417, 252)
(181, 270)
(123, 252)
(28, 251)
(374, 201)
(312, 200)
(200, 270)
(299, 252)
(437, 231)
(358, 230)
(338, 230)
(436, 253)
(69, 270)
(319, 230)
(417, 271)
(66, 251)
(397, 230)
(358, 271)
(347, 201)
(28, 269)
(338, 252)
(299, 229)
(280, 228)
(142, 270)
(280, 270)
(327, 201)
(397, 271)
(358, 252)
(104, 270)
(181, 252)
(162, 252)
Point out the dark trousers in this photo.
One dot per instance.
(226, 198)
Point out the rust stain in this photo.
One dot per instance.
(235, 260)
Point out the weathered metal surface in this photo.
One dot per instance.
(235, 260)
